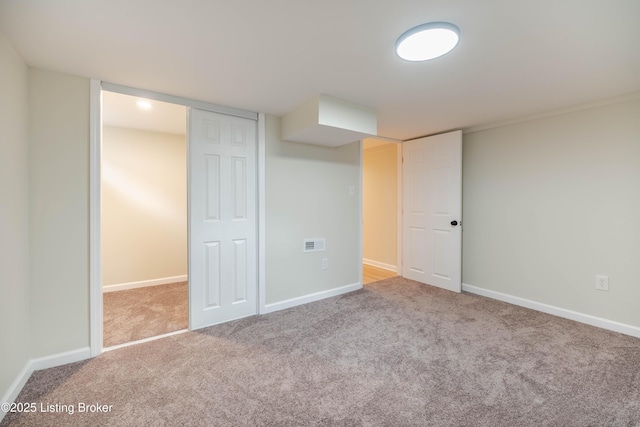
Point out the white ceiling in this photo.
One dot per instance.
(123, 111)
(515, 57)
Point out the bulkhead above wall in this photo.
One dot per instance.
(329, 121)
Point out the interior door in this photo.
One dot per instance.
(432, 210)
(222, 218)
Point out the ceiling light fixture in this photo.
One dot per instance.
(427, 41)
(144, 104)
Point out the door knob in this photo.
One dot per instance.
(454, 223)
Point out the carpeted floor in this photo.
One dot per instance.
(144, 312)
(396, 353)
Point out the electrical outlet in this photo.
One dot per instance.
(325, 263)
(602, 282)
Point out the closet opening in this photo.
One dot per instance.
(143, 219)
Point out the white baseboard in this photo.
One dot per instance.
(277, 306)
(15, 388)
(144, 283)
(38, 364)
(61, 359)
(380, 265)
(599, 322)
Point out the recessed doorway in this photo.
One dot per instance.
(381, 198)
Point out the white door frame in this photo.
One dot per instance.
(95, 158)
(400, 215)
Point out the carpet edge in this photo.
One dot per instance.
(588, 319)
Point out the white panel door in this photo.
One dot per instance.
(222, 218)
(432, 210)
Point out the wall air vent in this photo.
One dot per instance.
(314, 245)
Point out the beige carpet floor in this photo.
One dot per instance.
(396, 353)
(144, 312)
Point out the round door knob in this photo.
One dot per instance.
(454, 223)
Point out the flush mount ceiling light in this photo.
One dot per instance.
(427, 41)
(144, 104)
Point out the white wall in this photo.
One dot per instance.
(550, 203)
(58, 212)
(14, 216)
(307, 195)
(380, 204)
(144, 205)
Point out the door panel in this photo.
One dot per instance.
(240, 270)
(212, 274)
(212, 190)
(239, 188)
(222, 218)
(432, 199)
(417, 257)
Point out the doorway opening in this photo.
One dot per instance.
(381, 209)
(143, 218)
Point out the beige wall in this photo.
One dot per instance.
(550, 203)
(380, 204)
(14, 216)
(144, 205)
(59, 212)
(307, 195)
